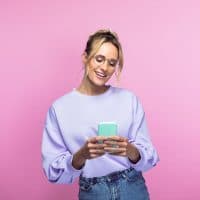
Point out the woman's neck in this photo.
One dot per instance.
(87, 87)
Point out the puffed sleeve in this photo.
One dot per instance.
(56, 158)
(140, 138)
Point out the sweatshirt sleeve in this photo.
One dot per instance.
(56, 158)
(140, 138)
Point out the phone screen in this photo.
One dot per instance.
(107, 129)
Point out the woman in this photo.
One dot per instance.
(107, 167)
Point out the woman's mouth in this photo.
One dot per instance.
(100, 75)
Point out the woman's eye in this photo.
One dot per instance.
(99, 59)
(113, 63)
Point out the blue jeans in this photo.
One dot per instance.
(122, 185)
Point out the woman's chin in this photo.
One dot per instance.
(98, 82)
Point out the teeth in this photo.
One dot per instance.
(100, 74)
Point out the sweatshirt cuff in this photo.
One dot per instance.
(75, 172)
(139, 165)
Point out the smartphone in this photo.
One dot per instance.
(107, 129)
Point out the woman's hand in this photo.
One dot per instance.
(117, 145)
(93, 148)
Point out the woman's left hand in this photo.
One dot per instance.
(117, 145)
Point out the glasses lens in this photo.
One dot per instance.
(113, 62)
(100, 59)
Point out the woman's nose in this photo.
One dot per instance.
(104, 66)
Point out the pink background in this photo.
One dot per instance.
(40, 47)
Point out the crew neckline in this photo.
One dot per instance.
(107, 92)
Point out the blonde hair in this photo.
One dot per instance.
(97, 39)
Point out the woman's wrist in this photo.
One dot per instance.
(78, 160)
(133, 154)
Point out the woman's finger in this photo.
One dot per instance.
(116, 144)
(96, 139)
(114, 138)
(97, 151)
(95, 146)
(114, 149)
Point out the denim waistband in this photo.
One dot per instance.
(108, 178)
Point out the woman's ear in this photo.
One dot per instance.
(84, 58)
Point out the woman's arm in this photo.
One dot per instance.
(56, 158)
(138, 146)
(140, 139)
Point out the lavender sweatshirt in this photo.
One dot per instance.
(74, 117)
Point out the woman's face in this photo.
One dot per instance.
(103, 64)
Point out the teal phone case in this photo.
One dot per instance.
(107, 129)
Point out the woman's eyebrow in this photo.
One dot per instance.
(106, 57)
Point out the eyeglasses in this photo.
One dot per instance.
(100, 60)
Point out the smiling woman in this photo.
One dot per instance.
(108, 166)
(102, 57)
(98, 72)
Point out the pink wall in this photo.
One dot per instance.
(40, 46)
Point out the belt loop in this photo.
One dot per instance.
(124, 175)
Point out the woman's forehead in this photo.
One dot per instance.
(108, 49)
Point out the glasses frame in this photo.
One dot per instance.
(104, 59)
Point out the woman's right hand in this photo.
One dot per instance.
(93, 148)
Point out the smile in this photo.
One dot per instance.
(100, 75)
